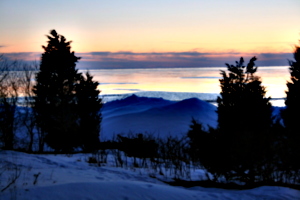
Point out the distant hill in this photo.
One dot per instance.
(172, 96)
(154, 116)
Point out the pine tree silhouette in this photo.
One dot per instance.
(293, 94)
(244, 119)
(65, 100)
(290, 113)
(89, 105)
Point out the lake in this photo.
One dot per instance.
(188, 80)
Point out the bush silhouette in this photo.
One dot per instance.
(10, 89)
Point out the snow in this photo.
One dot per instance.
(155, 116)
(71, 177)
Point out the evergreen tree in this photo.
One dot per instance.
(293, 94)
(244, 119)
(89, 105)
(61, 96)
(290, 113)
(242, 105)
(54, 90)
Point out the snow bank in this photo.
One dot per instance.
(137, 190)
(70, 177)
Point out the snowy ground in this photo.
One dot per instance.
(71, 177)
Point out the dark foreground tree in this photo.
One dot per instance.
(58, 101)
(242, 105)
(89, 105)
(244, 120)
(292, 110)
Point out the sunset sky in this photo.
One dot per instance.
(168, 33)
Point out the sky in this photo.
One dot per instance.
(166, 33)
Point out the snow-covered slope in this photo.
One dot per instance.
(64, 177)
(154, 115)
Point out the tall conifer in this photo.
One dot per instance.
(244, 118)
(291, 112)
(89, 105)
(64, 99)
(293, 94)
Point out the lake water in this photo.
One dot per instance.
(189, 80)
